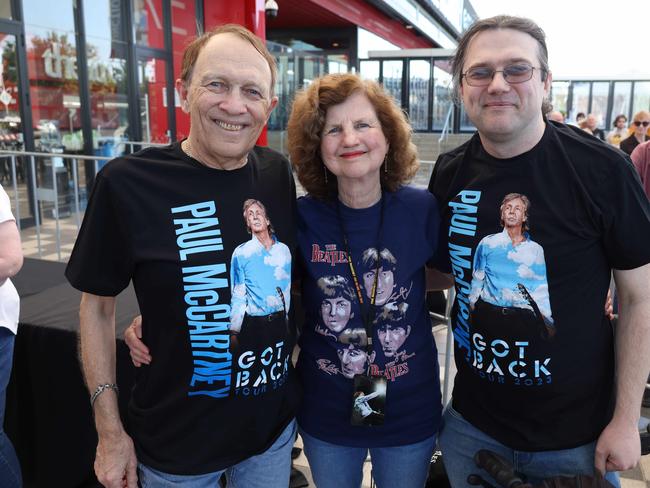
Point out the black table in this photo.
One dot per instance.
(48, 413)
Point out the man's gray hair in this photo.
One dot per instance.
(520, 24)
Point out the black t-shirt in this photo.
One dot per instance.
(533, 348)
(628, 144)
(170, 224)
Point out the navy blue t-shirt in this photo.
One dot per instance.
(403, 347)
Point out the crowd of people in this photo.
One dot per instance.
(624, 136)
(633, 138)
(527, 220)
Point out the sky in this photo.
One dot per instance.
(587, 38)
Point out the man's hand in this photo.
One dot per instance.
(137, 349)
(609, 305)
(618, 447)
(115, 462)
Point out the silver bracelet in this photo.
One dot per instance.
(101, 389)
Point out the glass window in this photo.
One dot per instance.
(285, 87)
(392, 79)
(52, 68)
(107, 77)
(5, 9)
(369, 70)
(465, 123)
(148, 23)
(11, 134)
(11, 129)
(621, 102)
(153, 103)
(419, 77)
(337, 63)
(443, 105)
(313, 67)
(559, 95)
(183, 28)
(599, 99)
(641, 96)
(580, 99)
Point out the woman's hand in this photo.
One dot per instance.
(137, 349)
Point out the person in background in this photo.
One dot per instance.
(580, 118)
(619, 132)
(556, 115)
(592, 125)
(584, 126)
(641, 160)
(639, 127)
(11, 260)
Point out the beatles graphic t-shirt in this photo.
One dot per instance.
(333, 346)
(171, 225)
(530, 241)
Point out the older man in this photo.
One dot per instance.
(592, 125)
(260, 274)
(509, 274)
(551, 407)
(169, 219)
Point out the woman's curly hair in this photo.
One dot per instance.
(306, 123)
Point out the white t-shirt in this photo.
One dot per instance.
(9, 300)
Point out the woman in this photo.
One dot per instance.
(619, 132)
(351, 147)
(639, 127)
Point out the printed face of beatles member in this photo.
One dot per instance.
(353, 361)
(256, 219)
(392, 337)
(513, 213)
(335, 313)
(385, 285)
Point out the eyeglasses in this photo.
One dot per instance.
(513, 74)
(638, 123)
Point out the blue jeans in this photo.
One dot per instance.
(10, 475)
(271, 469)
(460, 440)
(334, 466)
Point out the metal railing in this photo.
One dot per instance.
(41, 188)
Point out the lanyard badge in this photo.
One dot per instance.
(369, 392)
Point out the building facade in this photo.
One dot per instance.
(88, 75)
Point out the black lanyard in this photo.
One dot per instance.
(367, 313)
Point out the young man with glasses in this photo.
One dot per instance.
(547, 406)
(639, 125)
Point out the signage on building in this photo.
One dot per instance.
(64, 66)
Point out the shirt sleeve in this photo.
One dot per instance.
(639, 160)
(433, 232)
(238, 300)
(5, 206)
(626, 218)
(478, 274)
(101, 262)
(440, 259)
